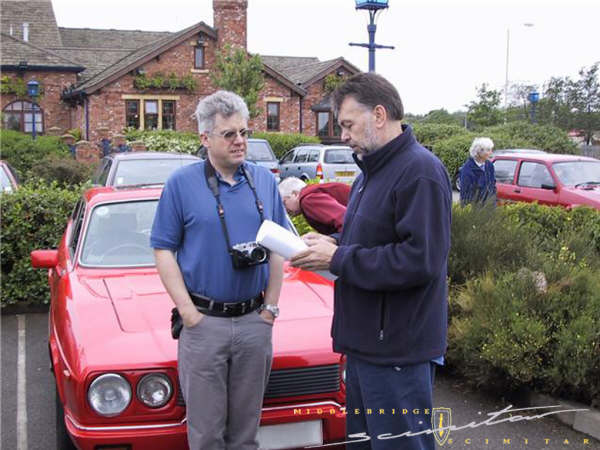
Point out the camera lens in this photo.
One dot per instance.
(258, 254)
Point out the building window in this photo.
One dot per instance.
(199, 57)
(272, 116)
(168, 115)
(327, 125)
(132, 114)
(18, 116)
(150, 114)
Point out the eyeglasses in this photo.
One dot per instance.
(230, 135)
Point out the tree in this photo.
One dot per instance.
(584, 97)
(237, 71)
(443, 116)
(554, 107)
(485, 112)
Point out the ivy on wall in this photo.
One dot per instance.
(171, 82)
(16, 86)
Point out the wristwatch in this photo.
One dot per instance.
(273, 309)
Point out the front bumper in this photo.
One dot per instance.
(173, 435)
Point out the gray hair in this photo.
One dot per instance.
(224, 103)
(289, 185)
(480, 145)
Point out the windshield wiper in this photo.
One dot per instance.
(587, 182)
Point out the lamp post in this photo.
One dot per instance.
(373, 6)
(528, 25)
(33, 90)
(533, 98)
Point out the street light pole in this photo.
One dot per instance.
(528, 25)
(33, 90)
(373, 6)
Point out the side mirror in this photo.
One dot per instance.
(44, 259)
(549, 187)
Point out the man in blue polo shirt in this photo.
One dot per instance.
(227, 303)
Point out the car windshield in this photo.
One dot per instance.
(5, 181)
(118, 235)
(147, 171)
(260, 151)
(572, 173)
(339, 156)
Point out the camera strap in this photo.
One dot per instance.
(211, 179)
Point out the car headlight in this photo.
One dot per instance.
(343, 369)
(154, 390)
(109, 394)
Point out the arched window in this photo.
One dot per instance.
(19, 116)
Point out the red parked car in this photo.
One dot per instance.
(549, 179)
(115, 362)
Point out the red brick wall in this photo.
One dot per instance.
(55, 112)
(230, 20)
(309, 118)
(289, 108)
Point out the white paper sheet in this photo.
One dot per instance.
(279, 240)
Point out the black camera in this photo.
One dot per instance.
(248, 254)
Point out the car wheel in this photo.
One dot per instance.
(457, 182)
(63, 440)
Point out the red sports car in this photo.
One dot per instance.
(115, 362)
(549, 179)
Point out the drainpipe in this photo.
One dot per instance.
(87, 119)
(300, 121)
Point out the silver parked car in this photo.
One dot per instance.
(139, 168)
(326, 162)
(260, 153)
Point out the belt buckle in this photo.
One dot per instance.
(231, 308)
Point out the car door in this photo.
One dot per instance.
(505, 170)
(535, 184)
(286, 162)
(297, 167)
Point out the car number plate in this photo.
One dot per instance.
(291, 435)
(344, 174)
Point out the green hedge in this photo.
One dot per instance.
(33, 217)
(282, 143)
(165, 140)
(451, 143)
(22, 152)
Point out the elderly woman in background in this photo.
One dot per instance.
(477, 177)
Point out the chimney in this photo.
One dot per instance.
(25, 31)
(230, 21)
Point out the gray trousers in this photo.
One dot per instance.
(224, 365)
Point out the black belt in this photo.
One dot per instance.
(214, 308)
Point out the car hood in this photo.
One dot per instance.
(587, 195)
(143, 309)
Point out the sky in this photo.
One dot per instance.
(444, 50)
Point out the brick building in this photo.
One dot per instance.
(102, 81)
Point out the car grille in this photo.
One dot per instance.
(295, 382)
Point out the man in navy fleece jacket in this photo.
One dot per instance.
(390, 311)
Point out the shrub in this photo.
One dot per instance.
(429, 134)
(281, 143)
(64, 171)
(508, 332)
(165, 140)
(33, 217)
(525, 134)
(453, 151)
(22, 152)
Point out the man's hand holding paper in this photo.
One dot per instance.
(318, 255)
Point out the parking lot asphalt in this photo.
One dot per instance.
(28, 415)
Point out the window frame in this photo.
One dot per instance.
(39, 111)
(270, 125)
(199, 48)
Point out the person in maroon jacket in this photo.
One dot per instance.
(323, 205)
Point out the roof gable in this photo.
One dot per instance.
(140, 56)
